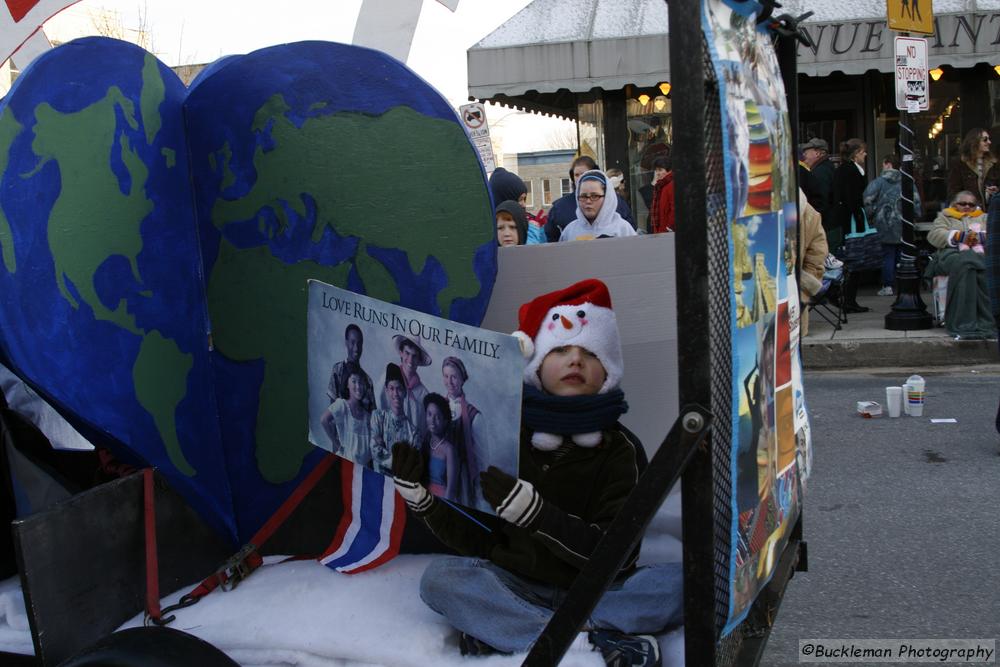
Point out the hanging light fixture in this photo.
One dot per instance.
(996, 68)
(936, 73)
(659, 102)
(643, 99)
(665, 86)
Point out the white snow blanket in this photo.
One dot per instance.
(300, 613)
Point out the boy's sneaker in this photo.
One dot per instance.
(469, 645)
(831, 262)
(885, 291)
(621, 650)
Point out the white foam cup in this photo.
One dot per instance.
(915, 395)
(894, 400)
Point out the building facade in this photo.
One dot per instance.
(608, 69)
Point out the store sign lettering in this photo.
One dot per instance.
(847, 40)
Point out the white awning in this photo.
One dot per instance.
(573, 44)
(579, 45)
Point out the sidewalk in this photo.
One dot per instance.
(865, 342)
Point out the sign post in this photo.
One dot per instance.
(474, 119)
(909, 313)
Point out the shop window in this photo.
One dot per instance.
(530, 201)
(590, 124)
(565, 186)
(650, 132)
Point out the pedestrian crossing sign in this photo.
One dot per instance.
(911, 15)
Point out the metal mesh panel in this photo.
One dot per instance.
(720, 347)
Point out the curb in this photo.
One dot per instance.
(899, 352)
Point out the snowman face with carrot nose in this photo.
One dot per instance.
(570, 369)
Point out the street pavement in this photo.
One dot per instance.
(900, 515)
(864, 342)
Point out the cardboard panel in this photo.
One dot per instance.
(639, 272)
(82, 563)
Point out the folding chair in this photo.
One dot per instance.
(828, 302)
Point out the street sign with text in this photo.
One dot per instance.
(474, 119)
(912, 87)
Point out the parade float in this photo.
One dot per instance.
(157, 243)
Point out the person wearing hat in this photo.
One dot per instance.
(467, 429)
(411, 357)
(815, 155)
(596, 211)
(391, 426)
(512, 224)
(563, 210)
(577, 466)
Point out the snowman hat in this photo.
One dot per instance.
(581, 315)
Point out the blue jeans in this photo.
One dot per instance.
(509, 612)
(890, 256)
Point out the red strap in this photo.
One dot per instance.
(248, 558)
(152, 565)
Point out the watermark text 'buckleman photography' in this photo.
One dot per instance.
(974, 651)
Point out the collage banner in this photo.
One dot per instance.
(771, 448)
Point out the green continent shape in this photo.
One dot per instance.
(160, 377)
(363, 175)
(9, 129)
(93, 219)
(258, 309)
(151, 97)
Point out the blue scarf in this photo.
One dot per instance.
(568, 415)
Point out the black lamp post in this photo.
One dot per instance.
(909, 313)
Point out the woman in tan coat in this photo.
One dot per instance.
(813, 250)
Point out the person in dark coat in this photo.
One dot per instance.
(506, 185)
(815, 155)
(563, 210)
(884, 207)
(848, 210)
(993, 267)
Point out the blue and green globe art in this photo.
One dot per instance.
(156, 240)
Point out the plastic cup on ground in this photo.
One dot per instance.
(894, 400)
(915, 395)
(905, 401)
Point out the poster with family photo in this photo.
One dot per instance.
(380, 374)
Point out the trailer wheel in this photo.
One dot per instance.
(151, 647)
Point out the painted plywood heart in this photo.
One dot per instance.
(156, 242)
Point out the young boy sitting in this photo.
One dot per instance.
(576, 470)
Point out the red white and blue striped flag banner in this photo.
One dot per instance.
(371, 526)
(20, 19)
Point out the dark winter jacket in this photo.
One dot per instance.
(993, 257)
(963, 176)
(822, 186)
(884, 205)
(848, 198)
(582, 491)
(563, 212)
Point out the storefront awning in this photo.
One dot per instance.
(577, 45)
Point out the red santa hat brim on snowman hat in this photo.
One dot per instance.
(581, 315)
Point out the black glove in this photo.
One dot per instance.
(515, 500)
(407, 471)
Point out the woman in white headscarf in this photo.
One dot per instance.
(596, 214)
